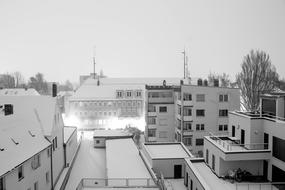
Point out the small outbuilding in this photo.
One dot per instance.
(100, 136)
(166, 158)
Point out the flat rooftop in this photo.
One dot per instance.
(111, 133)
(167, 150)
(124, 161)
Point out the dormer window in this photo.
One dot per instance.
(129, 94)
(119, 94)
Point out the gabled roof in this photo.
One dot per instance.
(18, 92)
(20, 139)
(43, 107)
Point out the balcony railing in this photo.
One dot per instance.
(264, 114)
(116, 182)
(260, 186)
(231, 145)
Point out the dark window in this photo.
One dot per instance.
(213, 162)
(8, 109)
(221, 97)
(20, 173)
(151, 132)
(223, 113)
(225, 127)
(200, 112)
(202, 127)
(199, 142)
(220, 127)
(187, 111)
(207, 156)
(187, 97)
(233, 131)
(162, 109)
(2, 186)
(97, 141)
(278, 147)
(36, 186)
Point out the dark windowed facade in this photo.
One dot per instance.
(278, 147)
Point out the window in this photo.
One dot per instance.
(200, 127)
(119, 94)
(2, 185)
(162, 109)
(220, 127)
(200, 97)
(278, 146)
(207, 156)
(138, 94)
(35, 162)
(223, 98)
(47, 177)
(97, 141)
(151, 108)
(199, 142)
(187, 126)
(129, 94)
(213, 162)
(187, 97)
(20, 173)
(200, 113)
(223, 127)
(223, 113)
(151, 132)
(36, 186)
(55, 142)
(187, 141)
(151, 120)
(187, 111)
(162, 134)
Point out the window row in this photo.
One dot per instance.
(128, 93)
(152, 108)
(106, 103)
(201, 97)
(160, 94)
(187, 141)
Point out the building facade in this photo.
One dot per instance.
(200, 110)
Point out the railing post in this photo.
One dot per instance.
(147, 183)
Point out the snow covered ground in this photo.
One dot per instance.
(90, 162)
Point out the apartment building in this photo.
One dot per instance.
(256, 143)
(201, 109)
(159, 116)
(44, 115)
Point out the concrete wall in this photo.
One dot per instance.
(30, 175)
(70, 147)
(192, 177)
(147, 156)
(166, 166)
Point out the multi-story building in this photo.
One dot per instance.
(200, 109)
(32, 149)
(159, 116)
(256, 143)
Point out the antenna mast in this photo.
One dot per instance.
(94, 62)
(184, 63)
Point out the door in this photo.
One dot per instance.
(233, 131)
(242, 137)
(177, 171)
(265, 169)
(265, 140)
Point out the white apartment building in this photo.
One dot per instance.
(44, 115)
(201, 109)
(159, 115)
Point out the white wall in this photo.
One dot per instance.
(166, 167)
(30, 176)
(101, 144)
(191, 176)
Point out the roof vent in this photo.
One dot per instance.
(16, 143)
(33, 135)
(2, 149)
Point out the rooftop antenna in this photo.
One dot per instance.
(94, 62)
(184, 63)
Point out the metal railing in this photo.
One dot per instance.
(115, 182)
(261, 186)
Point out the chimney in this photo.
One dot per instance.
(181, 82)
(54, 90)
(216, 82)
(199, 82)
(205, 82)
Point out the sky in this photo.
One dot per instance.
(137, 38)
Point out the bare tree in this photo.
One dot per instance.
(38, 82)
(223, 78)
(19, 80)
(7, 81)
(258, 76)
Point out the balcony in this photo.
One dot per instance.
(188, 103)
(187, 118)
(187, 132)
(151, 114)
(232, 150)
(93, 183)
(152, 139)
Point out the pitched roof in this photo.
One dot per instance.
(43, 107)
(20, 139)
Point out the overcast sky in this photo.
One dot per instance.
(137, 38)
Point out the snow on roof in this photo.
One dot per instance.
(206, 176)
(134, 81)
(18, 92)
(67, 132)
(43, 107)
(20, 139)
(124, 161)
(167, 150)
(90, 91)
(111, 133)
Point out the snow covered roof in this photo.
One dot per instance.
(90, 91)
(43, 107)
(124, 161)
(111, 133)
(20, 139)
(67, 132)
(134, 81)
(18, 92)
(167, 150)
